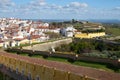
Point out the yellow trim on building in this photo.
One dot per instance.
(89, 35)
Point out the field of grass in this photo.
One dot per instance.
(57, 59)
(23, 54)
(100, 66)
(93, 65)
(113, 31)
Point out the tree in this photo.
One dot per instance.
(73, 20)
(101, 46)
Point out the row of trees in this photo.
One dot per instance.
(93, 31)
(87, 46)
(75, 23)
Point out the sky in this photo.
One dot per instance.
(60, 9)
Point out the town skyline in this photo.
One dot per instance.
(63, 9)
(59, 39)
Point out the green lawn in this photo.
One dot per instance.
(100, 66)
(57, 59)
(24, 54)
(113, 31)
(93, 65)
(83, 63)
(37, 56)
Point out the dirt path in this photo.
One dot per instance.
(90, 72)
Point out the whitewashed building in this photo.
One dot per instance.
(70, 31)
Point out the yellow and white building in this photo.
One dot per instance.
(89, 35)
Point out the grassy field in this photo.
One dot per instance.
(100, 66)
(113, 31)
(93, 65)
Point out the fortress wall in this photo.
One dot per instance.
(40, 72)
(48, 45)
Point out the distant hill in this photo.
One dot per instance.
(48, 20)
(91, 20)
(105, 21)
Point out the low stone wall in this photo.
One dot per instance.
(48, 45)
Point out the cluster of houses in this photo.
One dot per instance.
(14, 32)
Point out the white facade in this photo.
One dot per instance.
(55, 30)
(70, 31)
(70, 34)
(70, 28)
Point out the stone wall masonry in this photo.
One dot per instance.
(35, 71)
(48, 45)
(34, 68)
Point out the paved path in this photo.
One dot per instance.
(90, 72)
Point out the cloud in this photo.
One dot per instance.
(72, 5)
(40, 7)
(116, 8)
(54, 6)
(41, 4)
(6, 3)
(6, 6)
(38, 3)
(77, 5)
(43, 9)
